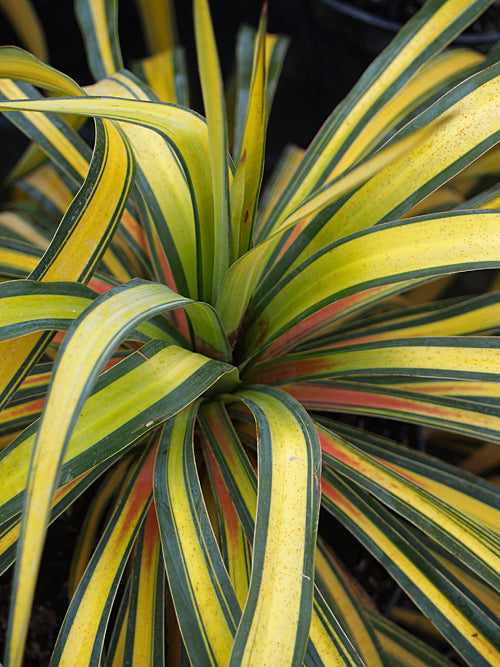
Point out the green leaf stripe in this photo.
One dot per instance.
(476, 545)
(89, 609)
(206, 605)
(422, 38)
(99, 26)
(277, 614)
(371, 258)
(146, 389)
(434, 590)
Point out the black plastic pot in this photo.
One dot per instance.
(371, 32)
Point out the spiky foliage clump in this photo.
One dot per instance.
(173, 346)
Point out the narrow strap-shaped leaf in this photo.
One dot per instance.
(166, 74)
(244, 276)
(422, 38)
(99, 25)
(478, 546)
(56, 139)
(476, 393)
(145, 389)
(88, 537)
(29, 306)
(18, 64)
(250, 163)
(215, 110)
(57, 305)
(325, 322)
(469, 493)
(104, 195)
(275, 47)
(374, 257)
(17, 226)
(121, 309)
(166, 204)
(18, 258)
(457, 317)
(436, 592)
(235, 547)
(468, 580)
(232, 461)
(25, 20)
(330, 579)
(428, 84)
(275, 623)
(158, 20)
(476, 92)
(186, 132)
(328, 643)
(403, 649)
(64, 497)
(448, 413)
(79, 228)
(89, 223)
(115, 652)
(455, 357)
(27, 403)
(395, 189)
(81, 239)
(206, 605)
(81, 637)
(277, 182)
(49, 189)
(144, 641)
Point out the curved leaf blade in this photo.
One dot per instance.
(146, 389)
(215, 110)
(434, 591)
(206, 605)
(81, 637)
(81, 240)
(99, 25)
(88, 342)
(275, 623)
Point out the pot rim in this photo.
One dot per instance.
(389, 25)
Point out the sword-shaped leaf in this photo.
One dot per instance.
(207, 609)
(275, 624)
(250, 162)
(421, 39)
(374, 257)
(146, 389)
(457, 415)
(186, 132)
(80, 242)
(121, 310)
(455, 531)
(81, 638)
(215, 110)
(144, 641)
(328, 643)
(433, 589)
(99, 25)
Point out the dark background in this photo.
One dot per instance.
(316, 76)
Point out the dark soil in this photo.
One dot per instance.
(51, 597)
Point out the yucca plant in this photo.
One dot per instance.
(193, 357)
